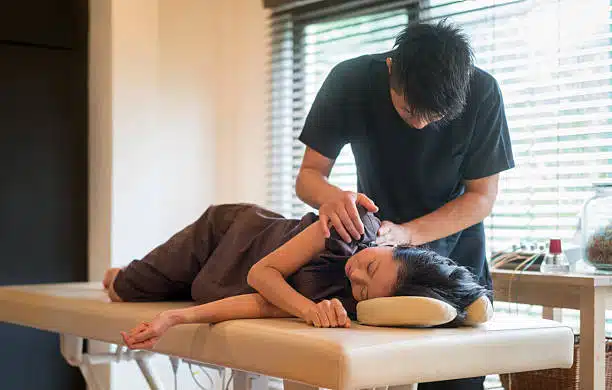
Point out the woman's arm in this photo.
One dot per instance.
(145, 335)
(269, 275)
(232, 308)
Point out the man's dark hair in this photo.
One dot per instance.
(424, 273)
(431, 67)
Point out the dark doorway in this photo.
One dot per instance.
(43, 172)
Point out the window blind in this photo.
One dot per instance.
(305, 46)
(552, 59)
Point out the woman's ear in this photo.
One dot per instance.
(479, 312)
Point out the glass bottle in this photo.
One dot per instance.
(555, 261)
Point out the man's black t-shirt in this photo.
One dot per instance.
(409, 172)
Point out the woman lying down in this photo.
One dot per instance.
(243, 261)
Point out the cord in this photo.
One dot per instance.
(226, 385)
(196, 379)
(518, 269)
(229, 381)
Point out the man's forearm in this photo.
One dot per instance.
(458, 214)
(314, 189)
(232, 308)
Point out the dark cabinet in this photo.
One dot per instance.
(43, 166)
(43, 173)
(54, 23)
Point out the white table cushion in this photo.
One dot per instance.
(353, 358)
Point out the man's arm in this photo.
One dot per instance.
(466, 210)
(488, 154)
(336, 207)
(312, 186)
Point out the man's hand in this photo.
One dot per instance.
(327, 314)
(393, 234)
(341, 212)
(147, 334)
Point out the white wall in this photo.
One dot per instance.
(241, 129)
(163, 120)
(177, 102)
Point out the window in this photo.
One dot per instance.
(552, 59)
(328, 43)
(304, 50)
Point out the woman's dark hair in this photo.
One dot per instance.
(424, 273)
(431, 68)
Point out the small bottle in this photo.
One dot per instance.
(555, 261)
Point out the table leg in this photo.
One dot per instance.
(552, 313)
(152, 379)
(247, 381)
(592, 339)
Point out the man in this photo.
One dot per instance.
(429, 135)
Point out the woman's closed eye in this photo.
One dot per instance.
(370, 268)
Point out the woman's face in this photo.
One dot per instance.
(372, 272)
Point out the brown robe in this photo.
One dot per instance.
(210, 259)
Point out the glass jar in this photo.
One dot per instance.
(597, 228)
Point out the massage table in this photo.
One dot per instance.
(304, 356)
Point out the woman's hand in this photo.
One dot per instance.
(327, 314)
(341, 212)
(147, 334)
